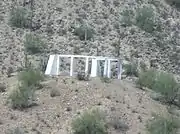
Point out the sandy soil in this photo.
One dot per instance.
(53, 115)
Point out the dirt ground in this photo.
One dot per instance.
(53, 115)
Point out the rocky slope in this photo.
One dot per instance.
(124, 105)
(54, 21)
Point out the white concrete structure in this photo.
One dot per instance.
(53, 66)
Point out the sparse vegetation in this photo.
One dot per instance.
(54, 93)
(16, 130)
(89, 123)
(21, 97)
(105, 79)
(160, 82)
(30, 77)
(2, 87)
(118, 124)
(127, 18)
(147, 79)
(20, 18)
(84, 32)
(146, 20)
(82, 76)
(163, 125)
(175, 3)
(34, 44)
(131, 70)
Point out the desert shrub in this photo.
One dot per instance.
(167, 86)
(20, 18)
(126, 18)
(16, 130)
(145, 19)
(84, 32)
(147, 79)
(21, 97)
(162, 125)
(82, 76)
(118, 124)
(105, 79)
(89, 123)
(30, 77)
(54, 93)
(2, 87)
(176, 3)
(131, 69)
(34, 44)
(160, 82)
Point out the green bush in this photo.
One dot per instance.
(145, 19)
(22, 97)
(30, 77)
(127, 18)
(131, 70)
(162, 125)
(160, 82)
(89, 123)
(105, 79)
(84, 32)
(147, 79)
(16, 130)
(34, 44)
(174, 2)
(167, 86)
(82, 76)
(20, 18)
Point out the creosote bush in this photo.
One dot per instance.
(89, 123)
(16, 130)
(20, 18)
(126, 18)
(105, 79)
(146, 20)
(162, 125)
(176, 3)
(30, 77)
(84, 32)
(160, 82)
(131, 70)
(82, 76)
(21, 97)
(147, 79)
(34, 44)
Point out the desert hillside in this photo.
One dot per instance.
(144, 34)
(145, 31)
(124, 105)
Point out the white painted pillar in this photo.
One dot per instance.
(109, 69)
(71, 66)
(105, 67)
(49, 65)
(94, 68)
(119, 69)
(87, 65)
(57, 68)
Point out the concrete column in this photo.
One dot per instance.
(119, 69)
(71, 66)
(109, 69)
(50, 65)
(94, 68)
(105, 67)
(57, 69)
(87, 65)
